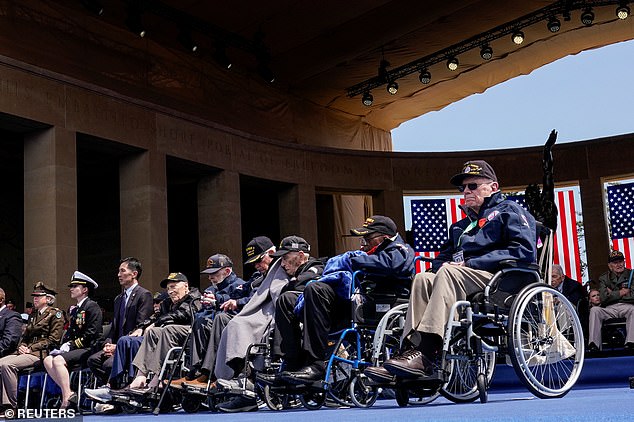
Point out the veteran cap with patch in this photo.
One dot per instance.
(474, 168)
(257, 248)
(174, 277)
(292, 244)
(376, 224)
(82, 279)
(216, 262)
(616, 256)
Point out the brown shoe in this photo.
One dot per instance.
(178, 384)
(378, 374)
(410, 364)
(200, 382)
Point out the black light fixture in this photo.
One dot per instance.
(553, 24)
(424, 77)
(518, 37)
(587, 17)
(383, 73)
(623, 11)
(134, 21)
(392, 87)
(452, 64)
(93, 6)
(367, 99)
(220, 56)
(185, 38)
(486, 52)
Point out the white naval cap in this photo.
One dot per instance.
(82, 279)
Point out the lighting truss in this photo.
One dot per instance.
(562, 7)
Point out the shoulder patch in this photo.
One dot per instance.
(58, 314)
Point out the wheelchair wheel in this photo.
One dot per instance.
(278, 401)
(482, 388)
(402, 397)
(191, 404)
(362, 394)
(313, 400)
(546, 343)
(342, 373)
(464, 385)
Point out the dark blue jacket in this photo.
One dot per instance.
(504, 230)
(232, 287)
(10, 331)
(391, 258)
(250, 287)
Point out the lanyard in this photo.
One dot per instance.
(469, 227)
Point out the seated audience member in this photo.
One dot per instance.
(572, 289)
(494, 229)
(131, 307)
(10, 328)
(84, 332)
(10, 305)
(167, 330)
(617, 301)
(257, 251)
(304, 351)
(251, 325)
(592, 299)
(28, 308)
(158, 298)
(43, 332)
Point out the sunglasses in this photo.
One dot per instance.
(471, 186)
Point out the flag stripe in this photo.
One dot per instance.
(626, 246)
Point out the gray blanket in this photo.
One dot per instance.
(252, 323)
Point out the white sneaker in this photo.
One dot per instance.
(238, 385)
(101, 395)
(103, 408)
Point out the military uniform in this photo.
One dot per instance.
(43, 332)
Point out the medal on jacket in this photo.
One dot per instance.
(81, 318)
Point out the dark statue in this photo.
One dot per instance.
(541, 203)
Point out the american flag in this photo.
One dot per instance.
(621, 211)
(431, 219)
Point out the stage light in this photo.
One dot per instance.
(486, 52)
(518, 37)
(587, 17)
(266, 73)
(424, 77)
(220, 56)
(553, 24)
(383, 73)
(367, 99)
(452, 64)
(622, 12)
(134, 22)
(185, 38)
(93, 6)
(392, 87)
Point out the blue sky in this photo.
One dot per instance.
(585, 96)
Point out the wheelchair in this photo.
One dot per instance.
(518, 316)
(350, 350)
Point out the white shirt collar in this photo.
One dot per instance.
(3, 306)
(82, 302)
(128, 291)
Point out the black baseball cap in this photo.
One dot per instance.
(257, 248)
(174, 277)
(217, 262)
(376, 224)
(479, 168)
(616, 256)
(292, 244)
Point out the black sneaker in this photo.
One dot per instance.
(239, 404)
(592, 348)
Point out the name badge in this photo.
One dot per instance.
(458, 256)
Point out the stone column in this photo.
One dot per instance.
(143, 210)
(390, 204)
(298, 214)
(596, 234)
(50, 211)
(219, 218)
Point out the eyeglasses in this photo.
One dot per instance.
(364, 241)
(471, 186)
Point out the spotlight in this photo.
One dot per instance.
(486, 52)
(185, 38)
(424, 77)
(518, 37)
(553, 24)
(367, 99)
(452, 64)
(622, 12)
(392, 87)
(587, 17)
(93, 6)
(134, 22)
(266, 73)
(220, 56)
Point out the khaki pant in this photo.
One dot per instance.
(433, 295)
(9, 367)
(156, 343)
(615, 310)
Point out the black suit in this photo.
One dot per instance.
(573, 290)
(10, 331)
(139, 308)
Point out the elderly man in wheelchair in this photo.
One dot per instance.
(494, 233)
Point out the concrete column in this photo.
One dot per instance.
(298, 214)
(219, 218)
(143, 210)
(390, 204)
(596, 234)
(50, 211)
